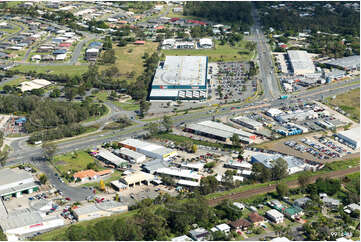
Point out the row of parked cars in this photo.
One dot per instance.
(39, 197)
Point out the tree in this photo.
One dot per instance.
(70, 93)
(107, 43)
(126, 230)
(152, 128)
(43, 178)
(3, 236)
(3, 157)
(304, 179)
(194, 148)
(49, 150)
(102, 185)
(109, 57)
(167, 123)
(279, 169)
(153, 226)
(282, 189)
(208, 185)
(235, 140)
(143, 107)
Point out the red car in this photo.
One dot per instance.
(67, 198)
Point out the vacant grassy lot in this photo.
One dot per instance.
(219, 53)
(71, 70)
(76, 161)
(128, 106)
(348, 102)
(129, 58)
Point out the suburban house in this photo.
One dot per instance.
(255, 218)
(224, 228)
(293, 212)
(87, 175)
(241, 224)
(301, 202)
(199, 234)
(275, 216)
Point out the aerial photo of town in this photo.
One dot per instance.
(180, 120)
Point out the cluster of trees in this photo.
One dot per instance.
(331, 46)
(61, 131)
(264, 174)
(238, 13)
(172, 218)
(341, 20)
(48, 114)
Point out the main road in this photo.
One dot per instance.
(265, 63)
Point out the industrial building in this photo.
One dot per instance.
(298, 115)
(294, 164)
(26, 222)
(154, 165)
(219, 131)
(130, 155)
(152, 150)
(247, 122)
(15, 182)
(179, 174)
(350, 137)
(137, 178)
(109, 158)
(34, 84)
(273, 112)
(205, 43)
(180, 78)
(348, 63)
(98, 210)
(301, 62)
(238, 165)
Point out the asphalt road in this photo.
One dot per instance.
(74, 193)
(266, 72)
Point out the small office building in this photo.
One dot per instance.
(98, 210)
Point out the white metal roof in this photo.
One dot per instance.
(301, 61)
(353, 134)
(182, 182)
(179, 172)
(131, 153)
(109, 156)
(182, 70)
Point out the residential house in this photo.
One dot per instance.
(255, 218)
(224, 228)
(240, 224)
(293, 212)
(301, 202)
(199, 234)
(330, 202)
(275, 216)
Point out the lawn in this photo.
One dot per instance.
(348, 102)
(127, 106)
(219, 53)
(71, 70)
(76, 161)
(129, 58)
(115, 176)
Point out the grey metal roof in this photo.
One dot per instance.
(300, 61)
(106, 205)
(182, 70)
(13, 221)
(18, 188)
(346, 62)
(154, 165)
(8, 176)
(109, 156)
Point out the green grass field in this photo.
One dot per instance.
(75, 162)
(129, 58)
(71, 70)
(219, 53)
(348, 102)
(127, 106)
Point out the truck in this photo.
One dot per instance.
(284, 97)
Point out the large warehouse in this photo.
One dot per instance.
(180, 78)
(301, 62)
(350, 137)
(346, 63)
(14, 183)
(152, 150)
(219, 131)
(247, 122)
(26, 222)
(98, 210)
